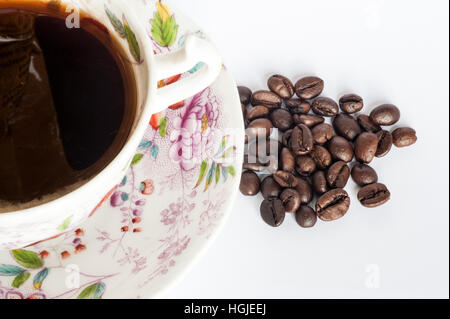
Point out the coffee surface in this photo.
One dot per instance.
(67, 102)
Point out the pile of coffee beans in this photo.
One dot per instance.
(312, 160)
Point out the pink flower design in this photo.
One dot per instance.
(195, 136)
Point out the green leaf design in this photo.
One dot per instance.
(65, 224)
(210, 176)
(163, 124)
(231, 170)
(224, 174)
(28, 259)
(39, 278)
(117, 24)
(203, 169)
(10, 270)
(132, 41)
(94, 291)
(136, 159)
(217, 174)
(229, 152)
(164, 33)
(20, 279)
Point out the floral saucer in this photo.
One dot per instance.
(168, 208)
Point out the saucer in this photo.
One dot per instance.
(167, 210)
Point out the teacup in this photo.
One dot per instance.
(20, 228)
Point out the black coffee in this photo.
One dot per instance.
(67, 100)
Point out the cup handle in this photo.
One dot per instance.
(166, 65)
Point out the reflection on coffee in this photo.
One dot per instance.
(67, 102)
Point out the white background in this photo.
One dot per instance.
(386, 51)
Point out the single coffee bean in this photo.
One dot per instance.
(281, 86)
(367, 125)
(385, 142)
(325, 106)
(256, 112)
(291, 200)
(341, 149)
(346, 126)
(333, 205)
(305, 165)
(259, 128)
(366, 147)
(298, 106)
(270, 188)
(272, 212)
(321, 157)
(268, 164)
(305, 191)
(285, 179)
(363, 174)
(403, 137)
(351, 103)
(309, 87)
(322, 133)
(264, 147)
(319, 183)
(338, 175)
(249, 184)
(287, 160)
(244, 110)
(306, 217)
(385, 115)
(244, 94)
(286, 138)
(281, 119)
(374, 195)
(266, 98)
(308, 120)
(301, 141)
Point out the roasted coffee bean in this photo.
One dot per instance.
(291, 200)
(305, 191)
(285, 179)
(270, 188)
(322, 133)
(374, 195)
(244, 94)
(259, 128)
(298, 106)
(272, 212)
(286, 138)
(325, 107)
(338, 175)
(351, 103)
(321, 157)
(267, 164)
(363, 174)
(308, 120)
(249, 184)
(309, 87)
(333, 205)
(281, 86)
(385, 115)
(266, 98)
(287, 160)
(385, 142)
(305, 165)
(301, 141)
(346, 126)
(265, 147)
(281, 119)
(341, 149)
(319, 183)
(403, 137)
(256, 112)
(244, 110)
(306, 217)
(367, 125)
(366, 147)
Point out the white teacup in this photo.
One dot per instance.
(19, 228)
